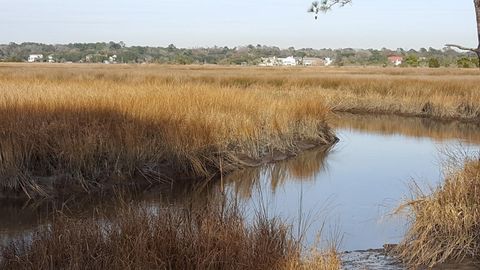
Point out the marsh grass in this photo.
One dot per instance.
(83, 129)
(445, 224)
(141, 237)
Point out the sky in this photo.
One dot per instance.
(205, 23)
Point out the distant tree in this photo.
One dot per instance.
(302, 55)
(476, 3)
(412, 60)
(433, 63)
(466, 62)
(171, 48)
(463, 62)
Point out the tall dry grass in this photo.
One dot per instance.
(445, 225)
(83, 128)
(139, 237)
(434, 93)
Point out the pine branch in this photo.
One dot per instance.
(462, 48)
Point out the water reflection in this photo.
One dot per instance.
(304, 167)
(409, 126)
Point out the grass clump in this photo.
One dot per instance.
(446, 224)
(139, 237)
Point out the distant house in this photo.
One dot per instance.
(111, 60)
(327, 61)
(35, 58)
(395, 60)
(50, 59)
(310, 61)
(289, 61)
(274, 61)
(269, 62)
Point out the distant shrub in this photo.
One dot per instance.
(433, 63)
(466, 62)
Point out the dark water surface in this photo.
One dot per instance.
(349, 190)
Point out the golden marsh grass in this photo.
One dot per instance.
(85, 124)
(445, 225)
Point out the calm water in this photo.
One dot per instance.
(350, 189)
(353, 188)
(358, 184)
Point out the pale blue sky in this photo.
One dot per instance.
(284, 23)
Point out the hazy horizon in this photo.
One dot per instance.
(190, 24)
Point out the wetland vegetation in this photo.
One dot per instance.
(445, 224)
(215, 237)
(67, 130)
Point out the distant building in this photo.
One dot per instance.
(269, 62)
(111, 60)
(35, 58)
(310, 61)
(289, 61)
(327, 61)
(274, 61)
(50, 59)
(395, 60)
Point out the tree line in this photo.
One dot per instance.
(242, 55)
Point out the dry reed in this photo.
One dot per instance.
(445, 225)
(140, 237)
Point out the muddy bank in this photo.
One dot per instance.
(425, 113)
(150, 176)
(379, 259)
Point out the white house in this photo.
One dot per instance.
(35, 57)
(269, 62)
(274, 61)
(111, 60)
(327, 61)
(289, 61)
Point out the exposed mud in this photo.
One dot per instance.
(378, 259)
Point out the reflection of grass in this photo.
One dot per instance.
(86, 125)
(303, 167)
(409, 126)
(446, 224)
(215, 237)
